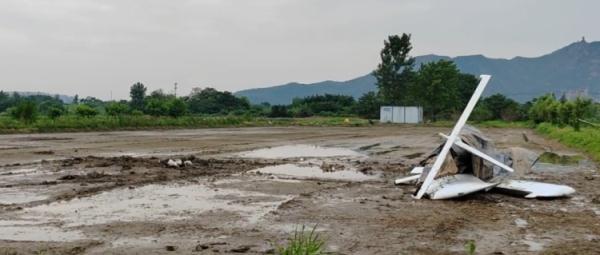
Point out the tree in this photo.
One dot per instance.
(84, 110)
(156, 107)
(55, 112)
(502, 107)
(212, 101)
(137, 94)
(117, 109)
(467, 83)
(368, 105)
(325, 104)
(436, 88)
(582, 108)
(395, 71)
(177, 108)
(76, 99)
(279, 111)
(25, 111)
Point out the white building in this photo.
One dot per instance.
(401, 114)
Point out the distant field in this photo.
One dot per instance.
(107, 123)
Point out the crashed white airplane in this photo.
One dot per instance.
(472, 175)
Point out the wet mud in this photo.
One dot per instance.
(245, 190)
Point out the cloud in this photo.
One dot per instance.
(93, 47)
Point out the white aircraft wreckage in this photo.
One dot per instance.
(468, 163)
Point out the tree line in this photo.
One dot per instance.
(439, 87)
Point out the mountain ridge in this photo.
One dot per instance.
(575, 67)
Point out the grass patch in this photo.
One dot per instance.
(502, 124)
(107, 123)
(303, 242)
(587, 139)
(483, 124)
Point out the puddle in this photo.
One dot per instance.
(314, 172)
(553, 158)
(555, 163)
(39, 234)
(155, 203)
(534, 246)
(16, 196)
(300, 150)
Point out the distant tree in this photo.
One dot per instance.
(212, 101)
(368, 105)
(55, 112)
(395, 72)
(301, 111)
(542, 109)
(467, 83)
(279, 111)
(582, 109)
(25, 111)
(502, 107)
(76, 99)
(563, 98)
(84, 110)
(481, 112)
(177, 108)
(117, 109)
(156, 107)
(137, 94)
(436, 88)
(92, 102)
(548, 109)
(5, 101)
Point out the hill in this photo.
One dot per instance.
(573, 68)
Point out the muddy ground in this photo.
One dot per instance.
(114, 193)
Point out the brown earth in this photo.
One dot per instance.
(114, 193)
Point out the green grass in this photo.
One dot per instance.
(587, 139)
(106, 123)
(303, 242)
(483, 124)
(502, 124)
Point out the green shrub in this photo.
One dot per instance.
(303, 243)
(84, 110)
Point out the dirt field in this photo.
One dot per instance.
(114, 193)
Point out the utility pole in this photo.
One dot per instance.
(175, 89)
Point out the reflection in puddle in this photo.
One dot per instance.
(300, 150)
(154, 203)
(313, 172)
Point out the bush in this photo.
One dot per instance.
(84, 110)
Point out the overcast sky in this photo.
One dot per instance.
(93, 47)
